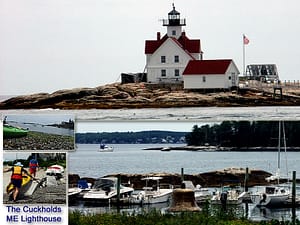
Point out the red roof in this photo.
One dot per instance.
(191, 46)
(218, 66)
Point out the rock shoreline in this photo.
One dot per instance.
(221, 149)
(141, 95)
(40, 141)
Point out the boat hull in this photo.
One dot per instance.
(271, 200)
(271, 196)
(104, 198)
(13, 132)
(144, 197)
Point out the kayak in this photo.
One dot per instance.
(25, 180)
(13, 132)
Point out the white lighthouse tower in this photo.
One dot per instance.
(174, 24)
(167, 56)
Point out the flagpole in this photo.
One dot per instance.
(244, 72)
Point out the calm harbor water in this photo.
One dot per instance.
(130, 158)
(177, 114)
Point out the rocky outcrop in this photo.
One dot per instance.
(113, 96)
(229, 176)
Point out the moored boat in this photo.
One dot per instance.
(201, 194)
(150, 194)
(74, 192)
(105, 148)
(275, 195)
(228, 195)
(271, 196)
(105, 191)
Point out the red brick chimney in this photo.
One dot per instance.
(158, 36)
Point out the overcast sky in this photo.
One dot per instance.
(60, 44)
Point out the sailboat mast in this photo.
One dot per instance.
(279, 148)
(279, 140)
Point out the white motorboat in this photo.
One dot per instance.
(105, 190)
(201, 194)
(275, 195)
(228, 195)
(73, 192)
(152, 195)
(105, 148)
(271, 196)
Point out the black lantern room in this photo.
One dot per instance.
(174, 19)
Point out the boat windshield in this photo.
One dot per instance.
(104, 184)
(270, 190)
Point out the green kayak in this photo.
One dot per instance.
(13, 132)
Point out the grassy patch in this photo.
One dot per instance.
(157, 218)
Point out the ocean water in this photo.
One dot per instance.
(175, 114)
(131, 158)
(86, 161)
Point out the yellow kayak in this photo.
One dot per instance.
(10, 186)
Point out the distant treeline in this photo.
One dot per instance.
(131, 137)
(245, 134)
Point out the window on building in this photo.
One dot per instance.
(173, 32)
(229, 78)
(163, 73)
(232, 76)
(204, 79)
(176, 58)
(176, 72)
(163, 59)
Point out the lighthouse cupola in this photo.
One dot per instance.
(174, 23)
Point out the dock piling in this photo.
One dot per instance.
(294, 198)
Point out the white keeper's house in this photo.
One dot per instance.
(175, 58)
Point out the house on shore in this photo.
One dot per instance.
(211, 74)
(167, 56)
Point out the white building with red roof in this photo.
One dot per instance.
(175, 58)
(167, 56)
(211, 74)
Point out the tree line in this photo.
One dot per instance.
(131, 137)
(245, 134)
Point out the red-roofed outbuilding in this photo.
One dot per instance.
(211, 74)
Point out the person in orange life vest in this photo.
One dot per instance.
(33, 166)
(16, 178)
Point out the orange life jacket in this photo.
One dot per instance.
(17, 173)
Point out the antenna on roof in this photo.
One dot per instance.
(173, 5)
